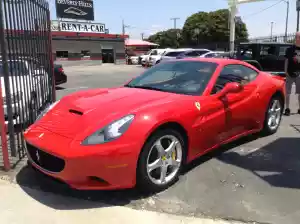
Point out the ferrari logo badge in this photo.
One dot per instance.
(197, 104)
(37, 154)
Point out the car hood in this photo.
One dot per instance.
(85, 110)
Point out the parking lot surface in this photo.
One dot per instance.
(253, 179)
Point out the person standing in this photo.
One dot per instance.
(292, 71)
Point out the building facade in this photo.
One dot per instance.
(73, 40)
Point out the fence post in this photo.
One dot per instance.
(4, 145)
(51, 57)
(4, 139)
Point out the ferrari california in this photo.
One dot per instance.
(141, 134)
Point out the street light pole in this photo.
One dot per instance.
(298, 9)
(287, 18)
(272, 29)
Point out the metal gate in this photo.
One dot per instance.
(26, 71)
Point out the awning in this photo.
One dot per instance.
(130, 42)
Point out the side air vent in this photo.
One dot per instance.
(75, 112)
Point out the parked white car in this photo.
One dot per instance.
(27, 90)
(176, 52)
(212, 54)
(134, 60)
(145, 58)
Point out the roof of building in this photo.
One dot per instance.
(132, 42)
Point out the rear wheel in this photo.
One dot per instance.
(273, 116)
(160, 161)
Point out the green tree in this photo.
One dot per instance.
(169, 38)
(209, 27)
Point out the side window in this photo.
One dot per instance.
(192, 53)
(282, 51)
(154, 53)
(210, 55)
(249, 73)
(234, 73)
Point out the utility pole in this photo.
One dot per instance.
(142, 35)
(272, 23)
(175, 20)
(287, 18)
(124, 27)
(298, 10)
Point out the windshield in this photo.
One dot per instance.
(182, 77)
(15, 68)
(173, 53)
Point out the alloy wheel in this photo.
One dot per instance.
(164, 160)
(274, 114)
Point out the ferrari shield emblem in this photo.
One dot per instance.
(197, 104)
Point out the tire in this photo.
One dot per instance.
(149, 181)
(157, 62)
(269, 129)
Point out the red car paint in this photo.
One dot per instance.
(207, 121)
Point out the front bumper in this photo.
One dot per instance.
(101, 167)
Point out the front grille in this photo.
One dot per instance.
(45, 160)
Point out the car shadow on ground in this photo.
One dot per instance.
(34, 183)
(276, 163)
(219, 151)
(59, 88)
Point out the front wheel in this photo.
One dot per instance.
(160, 161)
(273, 116)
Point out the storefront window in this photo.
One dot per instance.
(85, 53)
(62, 54)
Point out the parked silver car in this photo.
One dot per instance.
(26, 84)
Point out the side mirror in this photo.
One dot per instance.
(232, 87)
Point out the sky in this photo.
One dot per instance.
(156, 15)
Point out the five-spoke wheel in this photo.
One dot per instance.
(161, 160)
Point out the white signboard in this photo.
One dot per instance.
(82, 27)
(237, 2)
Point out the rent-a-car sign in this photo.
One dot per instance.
(75, 9)
(82, 27)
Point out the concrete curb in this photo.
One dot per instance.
(40, 207)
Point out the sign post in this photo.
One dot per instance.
(298, 10)
(233, 11)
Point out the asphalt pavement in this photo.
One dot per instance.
(253, 179)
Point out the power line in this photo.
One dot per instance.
(253, 14)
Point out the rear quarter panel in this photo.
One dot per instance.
(268, 86)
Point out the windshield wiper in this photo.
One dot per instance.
(146, 87)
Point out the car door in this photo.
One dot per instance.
(240, 107)
(211, 123)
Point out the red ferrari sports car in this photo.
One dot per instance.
(141, 134)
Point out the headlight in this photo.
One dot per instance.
(46, 110)
(110, 132)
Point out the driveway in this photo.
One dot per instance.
(254, 179)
